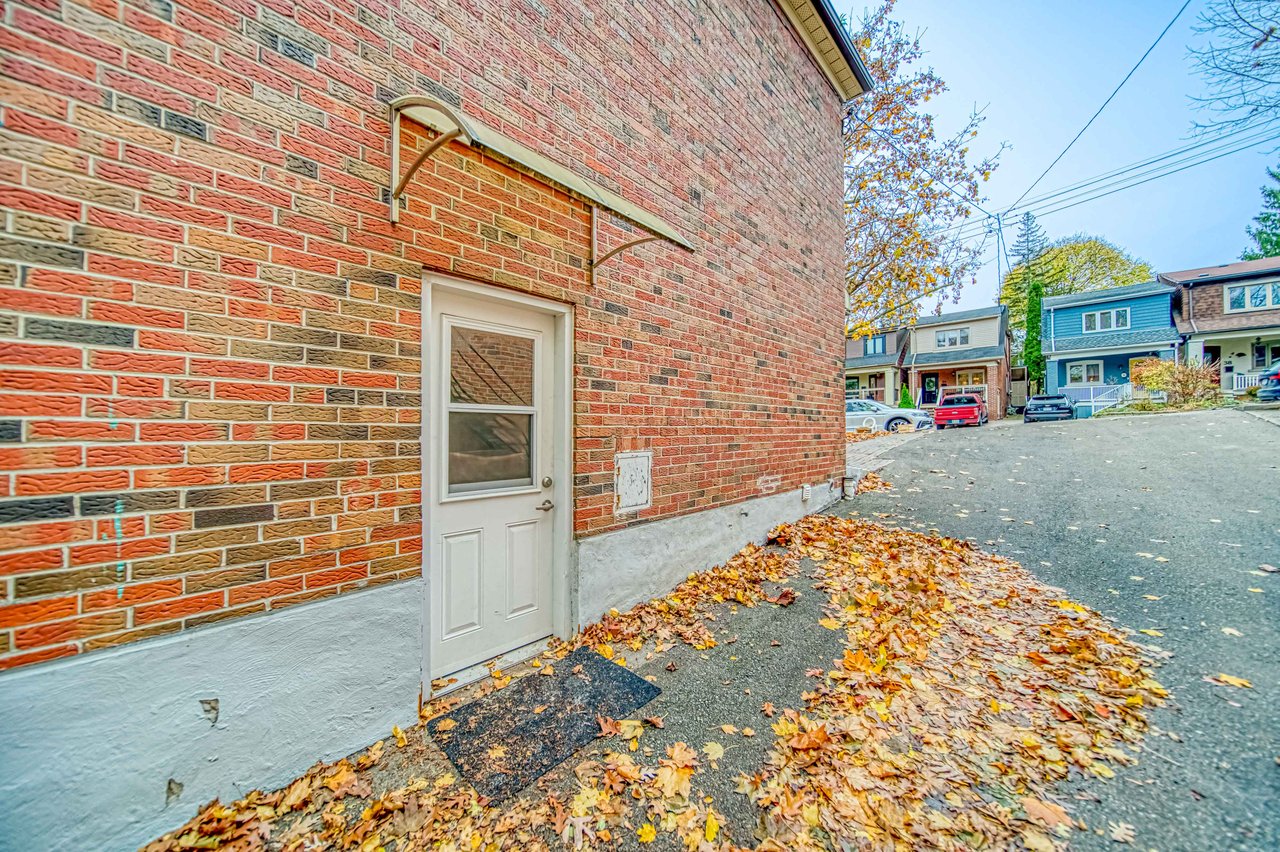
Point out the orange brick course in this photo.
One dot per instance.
(210, 351)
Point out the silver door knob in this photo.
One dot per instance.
(546, 506)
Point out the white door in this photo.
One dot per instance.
(489, 479)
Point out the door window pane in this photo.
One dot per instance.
(489, 368)
(489, 450)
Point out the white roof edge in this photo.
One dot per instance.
(476, 133)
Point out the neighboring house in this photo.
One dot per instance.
(1092, 340)
(966, 351)
(323, 378)
(1230, 316)
(873, 365)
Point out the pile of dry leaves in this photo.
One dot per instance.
(965, 690)
(871, 482)
(863, 435)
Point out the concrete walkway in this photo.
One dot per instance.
(866, 456)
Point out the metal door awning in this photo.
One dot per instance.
(452, 125)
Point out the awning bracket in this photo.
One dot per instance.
(451, 125)
(597, 259)
(459, 131)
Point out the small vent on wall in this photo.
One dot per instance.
(806, 492)
(632, 481)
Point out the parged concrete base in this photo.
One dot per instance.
(622, 568)
(108, 751)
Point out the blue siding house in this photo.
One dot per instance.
(1091, 340)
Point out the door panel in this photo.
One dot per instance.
(522, 573)
(461, 586)
(491, 420)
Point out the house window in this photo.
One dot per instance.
(1252, 297)
(970, 377)
(951, 337)
(873, 345)
(1113, 320)
(1084, 373)
(1260, 355)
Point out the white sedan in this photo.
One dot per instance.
(870, 414)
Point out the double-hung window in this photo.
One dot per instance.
(1251, 297)
(951, 337)
(1111, 320)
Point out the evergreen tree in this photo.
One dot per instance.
(1033, 354)
(1029, 249)
(904, 397)
(1266, 237)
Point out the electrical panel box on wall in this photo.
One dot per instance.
(632, 481)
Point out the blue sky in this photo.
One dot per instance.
(1041, 68)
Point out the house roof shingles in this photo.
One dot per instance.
(961, 316)
(948, 356)
(885, 359)
(1113, 340)
(1129, 291)
(1240, 269)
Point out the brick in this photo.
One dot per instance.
(46, 254)
(206, 518)
(168, 566)
(178, 608)
(16, 615)
(68, 631)
(10, 431)
(78, 332)
(36, 509)
(225, 579)
(71, 483)
(61, 582)
(130, 595)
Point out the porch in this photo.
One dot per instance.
(1097, 381)
(878, 384)
(1241, 358)
(929, 386)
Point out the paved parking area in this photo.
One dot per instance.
(1161, 523)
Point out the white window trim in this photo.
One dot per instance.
(1128, 318)
(1084, 366)
(967, 330)
(1269, 286)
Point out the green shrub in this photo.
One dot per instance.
(904, 397)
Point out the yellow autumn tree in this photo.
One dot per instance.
(906, 188)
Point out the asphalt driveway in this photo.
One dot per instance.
(1161, 523)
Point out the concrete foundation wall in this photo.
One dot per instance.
(91, 743)
(623, 568)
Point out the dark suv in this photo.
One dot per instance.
(1269, 384)
(1050, 406)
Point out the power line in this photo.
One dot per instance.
(1110, 97)
(1098, 189)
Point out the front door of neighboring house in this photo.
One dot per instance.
(1213, 357)
(489, 477)
(928, 388)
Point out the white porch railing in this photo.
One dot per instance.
(980, 390)
(866, 393)
(1099, 397)
(1244, 381)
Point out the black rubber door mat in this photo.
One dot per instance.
(512, 737)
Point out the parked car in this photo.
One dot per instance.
(1269, 384)
(960, 409)
(861, 413)
(1049, 406)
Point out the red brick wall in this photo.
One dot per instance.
(209, 331)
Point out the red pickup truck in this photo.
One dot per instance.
(960, 409)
